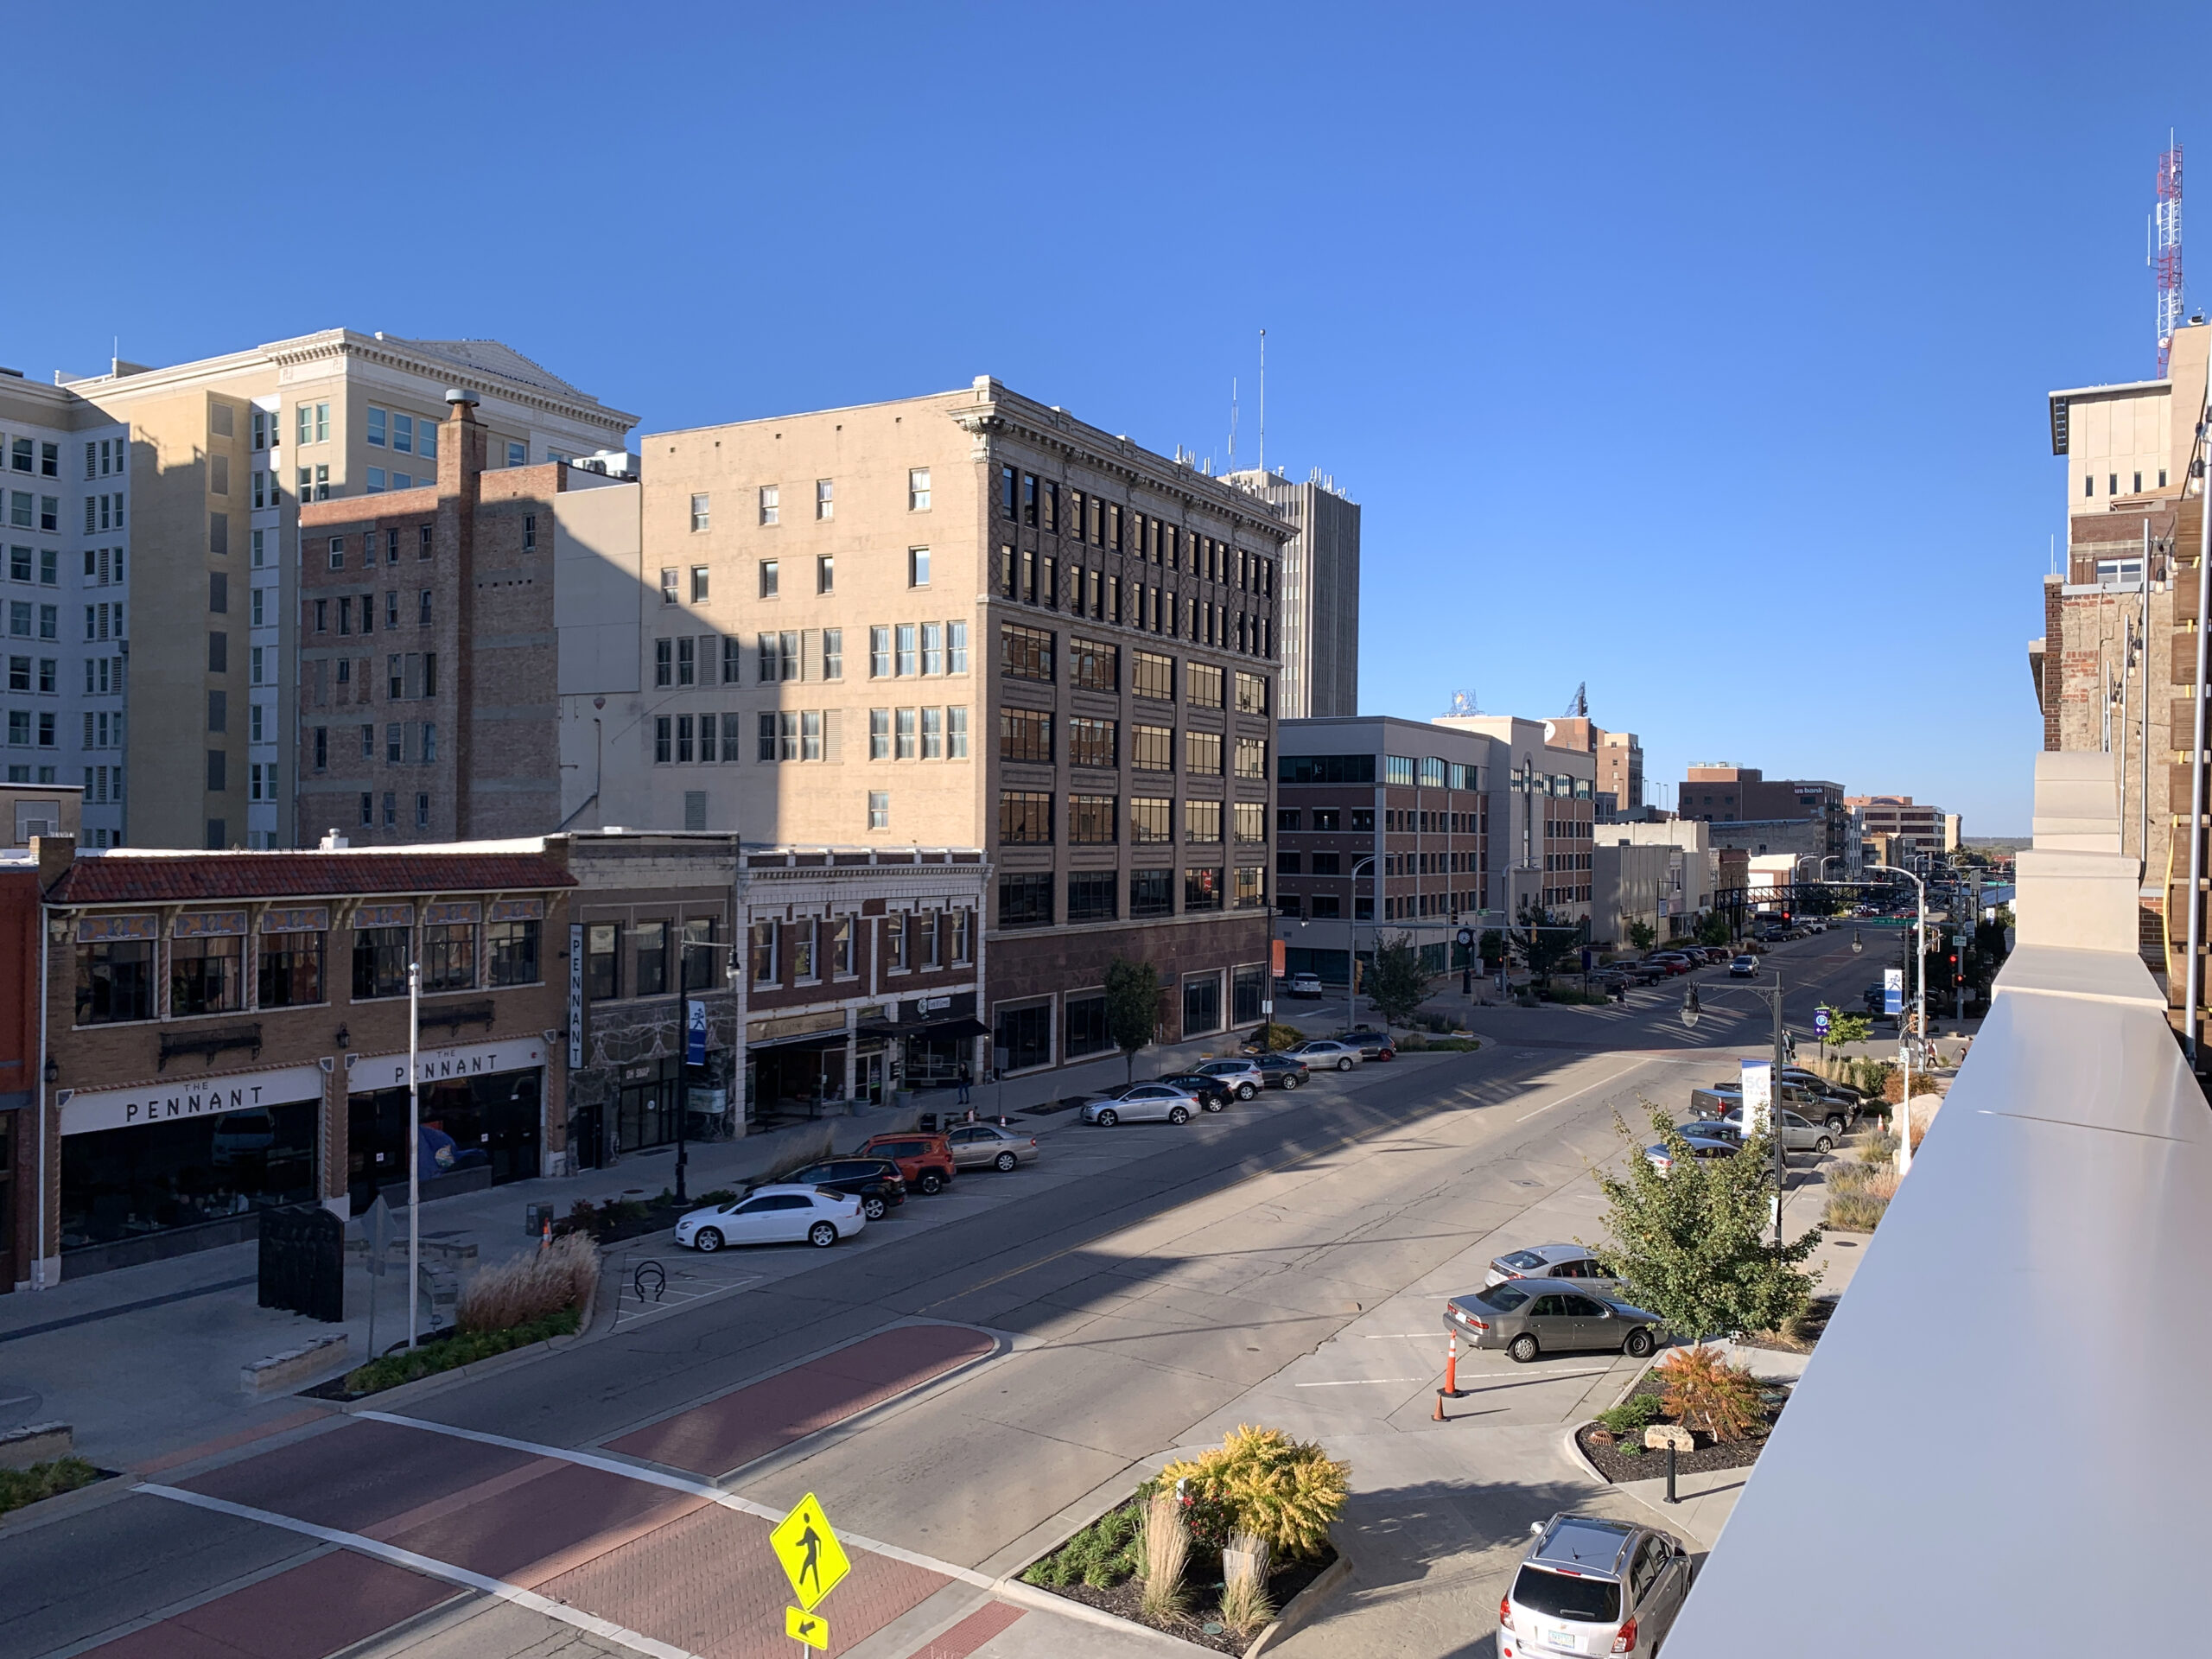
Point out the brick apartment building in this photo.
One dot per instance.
(1619, 756)
(1723, 794)
(228, 1030)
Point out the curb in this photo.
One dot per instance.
(114, 1486)
(1044, 1601)
(1304, 1604)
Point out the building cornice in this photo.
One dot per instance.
(344, 343)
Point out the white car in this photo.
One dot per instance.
(1305, 984)
(774, 1214)
(1140, 1103)
(1327, 1054)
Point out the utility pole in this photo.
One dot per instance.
(1774, 1112)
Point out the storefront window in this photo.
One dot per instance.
(1250, 989)
(379, 962)
(1201, 1004)
(449, 957)
(115, 982)
(206, 974)
(1087, 1025)
(651, 939)
(599, 961)
(477, 1122)
(514, 953)
(291, 969)
(122, 1184)
(702, 965)
(1024, 1036)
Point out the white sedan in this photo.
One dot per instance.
(774, 1214)
(1326, 1053)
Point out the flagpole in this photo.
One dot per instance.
(414, 1153)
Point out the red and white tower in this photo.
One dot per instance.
(2165, 249)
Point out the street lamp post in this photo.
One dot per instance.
(1920, 1004)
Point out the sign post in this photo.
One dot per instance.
(695, 1059)
(816, 1563)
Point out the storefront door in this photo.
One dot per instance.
(645, 1112)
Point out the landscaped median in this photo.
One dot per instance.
(43, 1480)
(1214, 1550)
(1723, 1412)
(512, 1304)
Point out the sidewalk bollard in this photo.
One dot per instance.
(1439, 1417)
(1452, 1368)
(1671, 1498)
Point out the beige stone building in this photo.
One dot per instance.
(212, 459)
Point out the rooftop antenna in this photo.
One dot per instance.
(1578, 707)
(1232, 424)
(1263, 399)
(1464, 702)
(2165, 257)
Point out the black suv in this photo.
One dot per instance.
(874, 1181)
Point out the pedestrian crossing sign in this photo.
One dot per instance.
(809, 1628)
(809, 1552)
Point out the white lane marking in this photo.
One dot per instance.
(1356, 1382)
(1403, 1336)
(1577, 1095)
(606, 1630)
(680, 1484)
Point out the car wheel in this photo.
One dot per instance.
(1216, 1103)
(1638, 1344)
(1523, 1348)
(1823, 1145)
(1344, 1062)
(706, 1240)
(1004, 1162)
(1245, 1090)
(1836, 1127)
(932, 1182)
(822, 1234)
(1178, 1114)
(874, 1209)
(1108, 1118)
(1290, 1082)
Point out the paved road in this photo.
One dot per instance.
(1045, 1337)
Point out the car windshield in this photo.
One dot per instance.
(1557, 1595)
(1522, 1261)
(1501, 1298)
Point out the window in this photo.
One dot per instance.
(825, 574)
(206, 974)
(918, 566)
(1252, 757)
(770, 511)
(879, 808)
(1026, 734)
(663, 740)
(1251, 694)
(905, 729)
(648, 958)
(1092, 819)
(1154, 676)
(517, 455)
(907, 659)
(1288, 863)
(1152, 748)
(1202, 821)
(841, 948)
(699, 584)
(1026, 900)
(1025, 653)
(955, 646)
(290, 969)
(700, 519)
(932, 648)
(1025, 818)
(1151, 819)
(600, 959)
(955, 732)
(1432, 772)
(1091, 897)
(664, 662)
(833, 653)
(1252, 821)
(1201, 1004)
(402, 433)
(1251, 886)
(918, 489)
(380, 956)
(1201, 889)
(1363, 820)
(933, 733)
(779, 656)
(449, 957)
(376, 426)
(825, 498)
(1204, 685)
(1202, 753)
(687, 672)
(879, 734)
(218, 718)
(668, 585)
(1093, 665)
(769, 578)
(1094, 742)
(115, 981)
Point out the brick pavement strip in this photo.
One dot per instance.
(971, 1632)
(749, 1422)
(307, 1611)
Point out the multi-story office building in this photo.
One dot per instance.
(64, 481)
(965, 619)
(207, 463)
(1724, 794)
(1318, 606)
(1382, 828)
(1921, 828)
(1542, 817)
(1620, 763)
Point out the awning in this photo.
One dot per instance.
(932, 1028)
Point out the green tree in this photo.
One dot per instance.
(1642, 935)
(1712, 928)
(1546, 939)
(1691, 1244)
(1848, 1028)
(1132, 1007)
(1397, 980)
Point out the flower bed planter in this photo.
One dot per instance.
(1710, 1456)
(444, 1350)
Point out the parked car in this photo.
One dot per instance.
(1158, 1101)
(1326, 1054)
(1718, 954)
(985, 1146)
(1744, 967)
(785, 1213)
(1710, 1128)
(1700, 1148)
(1282, 1071)
(875, 1182)
(1211, 1093)
(1799, 1134)
(1668, 964)
(1874, 998)
(1242, 1077)
(1725, 1100)
(1551, 1261)
(1677, 960)
(1374, 1044)
(1645, 973)
(925, 1160)
(1590, 1584)
(1307, 985)
(1526, 1319)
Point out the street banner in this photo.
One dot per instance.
(1758, 1096)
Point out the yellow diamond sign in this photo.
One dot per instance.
(809, 1628)
(812, 1559)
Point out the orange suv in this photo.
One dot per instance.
(925, 1161)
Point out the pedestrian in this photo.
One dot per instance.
(965, 1080)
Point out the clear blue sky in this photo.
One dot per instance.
(1696, 353)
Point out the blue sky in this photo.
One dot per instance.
(1698, 355)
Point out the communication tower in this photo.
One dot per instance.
(2165, 249)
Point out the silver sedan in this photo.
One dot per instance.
(1327, 1054)
(985, 1146)
(1140, 1103)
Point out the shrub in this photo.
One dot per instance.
(1167, 1550)
(1854, 1212)
(1703, 1391)
(1633, 1416)
(463, 1348)
(1262, 1481)
(1878, 1147)
(564, 1274)
(720, 1195)
(41, 1480)
(1245, 1604)
(1276, 1038)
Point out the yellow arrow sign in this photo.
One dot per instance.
(809, 1628)
(812, 1559)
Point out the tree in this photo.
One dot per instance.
(1547, 940)
(1690, 1245)
(1642, 935)
(1397, 980)
(1848, 1028)
(1132, 1007)
(1712, 928)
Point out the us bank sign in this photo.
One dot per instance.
(170, 1102)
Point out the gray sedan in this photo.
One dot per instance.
(985, 1146)
(1138, 1103)
(1327, 1054)
(1526, 1319)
